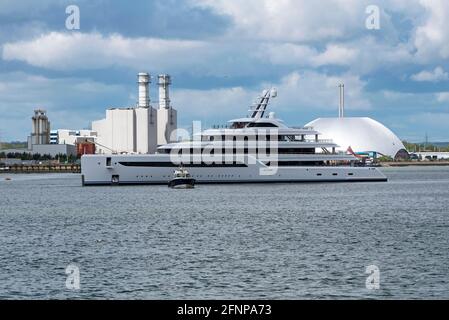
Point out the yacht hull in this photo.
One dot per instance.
(158, 169)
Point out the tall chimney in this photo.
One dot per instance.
(143, 79)
(164, 97)
(341, 106)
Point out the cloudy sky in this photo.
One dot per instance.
(222, 54)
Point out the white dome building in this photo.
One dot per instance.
(361, 134)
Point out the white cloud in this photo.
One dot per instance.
(69, 51)
(287, 53)
(297, 92)
(397, 96)
(285, 32)
(291, 20)
(311, 89)
(93, 51)
(70, 102)
(437, 119)
(65, 51)
(337, 55)
(360, 56)
(443, 97)
(303, 55)
(293, 29)
(438, 74)
(415, 100)
(198, 104)
(432, 38)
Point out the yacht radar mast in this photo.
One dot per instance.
(260, 106)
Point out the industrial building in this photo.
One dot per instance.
(54, 149)
(68, 136)
(44, 141)
(430, 155)
(40, 142)
(40, 132)
(362, 134)
(138, 129)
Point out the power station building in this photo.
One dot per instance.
(138, 129)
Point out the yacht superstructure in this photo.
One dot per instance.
(257, 148)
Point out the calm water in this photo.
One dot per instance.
(226, 241)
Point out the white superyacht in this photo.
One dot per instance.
(257, 148)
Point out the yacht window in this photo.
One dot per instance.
(296, 150)
(238, 125)
(262, 125)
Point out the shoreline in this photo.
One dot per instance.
(27, 169)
